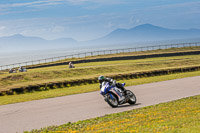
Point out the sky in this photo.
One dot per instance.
(90, 19)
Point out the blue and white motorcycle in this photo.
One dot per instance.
(115, 96)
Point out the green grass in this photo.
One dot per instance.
(93, 69)
(180, 116)
(86, 70)
(86, 88)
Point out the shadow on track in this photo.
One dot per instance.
(128, 105)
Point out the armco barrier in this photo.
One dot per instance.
(102, 52)
(121, 58)
(47, 86)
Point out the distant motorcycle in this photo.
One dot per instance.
(115, 96)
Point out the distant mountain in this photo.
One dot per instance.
(140, 34)
(19, 42)
(146, 33)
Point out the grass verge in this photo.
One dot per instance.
(177, 116)
(9, 99)
(55, 75)
(122, 54)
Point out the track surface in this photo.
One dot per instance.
(55, 111)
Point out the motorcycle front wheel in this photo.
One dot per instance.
(112, 100)
(132, 97)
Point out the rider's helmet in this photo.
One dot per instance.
(101, 78)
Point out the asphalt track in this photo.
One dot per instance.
(56, 111)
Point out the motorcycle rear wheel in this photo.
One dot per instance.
(132, 97)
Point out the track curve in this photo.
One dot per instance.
(56, 111)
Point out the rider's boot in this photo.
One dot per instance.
(125, 91)
(119, 85)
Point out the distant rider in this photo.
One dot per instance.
(111, 82)
(71, 65)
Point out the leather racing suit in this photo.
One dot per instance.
(113, 82)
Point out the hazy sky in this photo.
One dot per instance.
(89, 19)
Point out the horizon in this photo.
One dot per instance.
(85, 20)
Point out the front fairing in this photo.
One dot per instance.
(105, 88)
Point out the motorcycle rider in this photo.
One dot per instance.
(111, 82)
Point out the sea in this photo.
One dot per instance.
(15, 57)
(7, 58)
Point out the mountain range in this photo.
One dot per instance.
(147, 33)
(19, 42)
(141, 33)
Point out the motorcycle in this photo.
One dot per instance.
(114, 96)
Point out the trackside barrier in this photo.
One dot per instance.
(95, 53)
